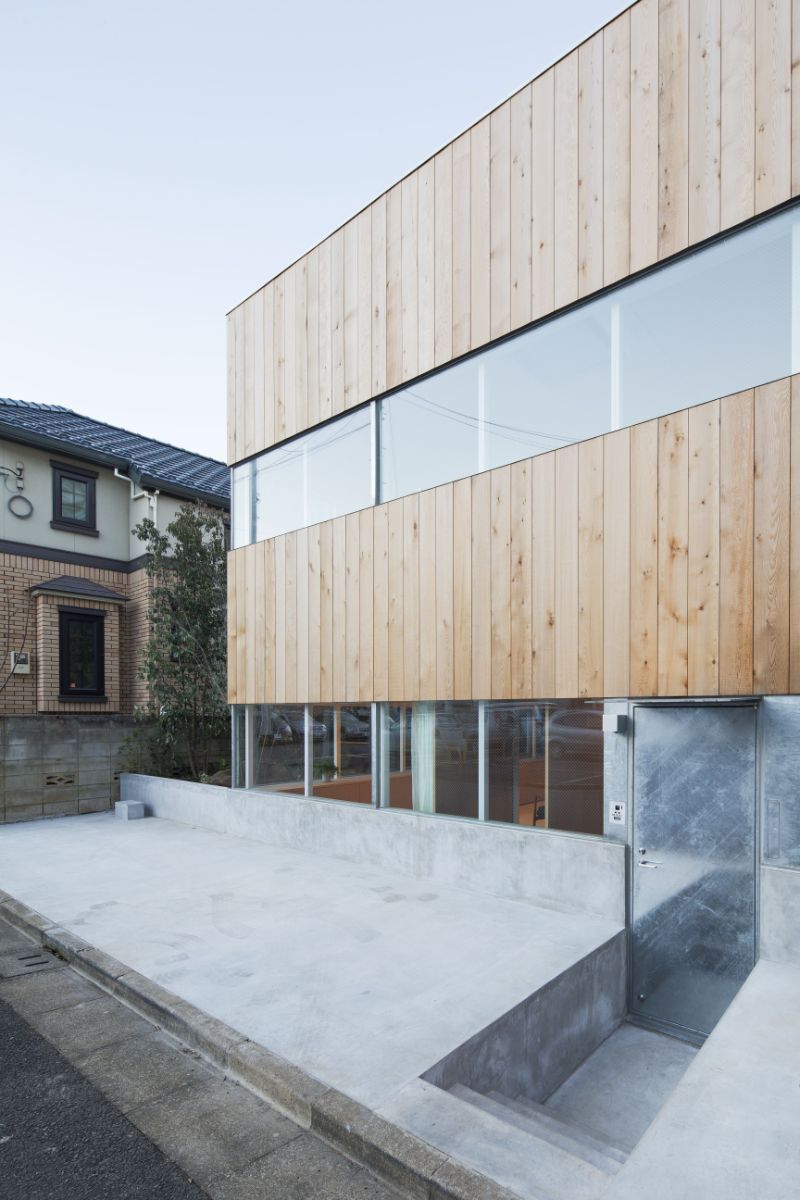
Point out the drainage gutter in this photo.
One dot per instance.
(402, 1160)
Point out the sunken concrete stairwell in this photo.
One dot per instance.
(585, 1130)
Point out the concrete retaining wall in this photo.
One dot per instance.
(543, 867)
(532, 1049)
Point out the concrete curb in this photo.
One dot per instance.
(401, 1159)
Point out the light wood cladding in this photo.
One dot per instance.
(660, 560)
(672, 123)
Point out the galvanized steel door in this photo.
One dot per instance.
(694, 859)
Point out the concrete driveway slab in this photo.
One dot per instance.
(363, 977)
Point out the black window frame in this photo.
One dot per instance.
(62, 471)
(95, 617)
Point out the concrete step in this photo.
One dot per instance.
(619, 1089)
(588, 1137)
(527, 1166)
(538, 1129)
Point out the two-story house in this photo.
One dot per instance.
(516, 480)
(74, 596)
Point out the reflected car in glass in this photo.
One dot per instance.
(574, 731)
(296, 722)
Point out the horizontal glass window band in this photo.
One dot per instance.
(713, 322)
(538, 764)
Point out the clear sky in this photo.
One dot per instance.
(161, 160)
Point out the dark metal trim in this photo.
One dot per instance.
(73, 558)
(62, 466)
(97, 618)
(83, 611)
(72, 524)
(66, 527)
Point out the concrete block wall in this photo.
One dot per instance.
(59, 765)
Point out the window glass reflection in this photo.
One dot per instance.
(341, 738)
(708, 325)
(431, 753)
(538, 764)
(323, 474)
(429, 432)
(545, 765)
(241, 525)
(712, 324)
(278, 747)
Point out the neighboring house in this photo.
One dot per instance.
(516, 488)
(74, 596)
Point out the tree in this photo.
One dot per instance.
(184, 661)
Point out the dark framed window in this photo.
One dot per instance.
(74, 499)
(81, 653)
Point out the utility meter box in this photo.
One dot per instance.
(20, 662)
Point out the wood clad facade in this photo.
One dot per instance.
(661, 560)
(669, 125)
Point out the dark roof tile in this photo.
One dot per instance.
(157, 461)
(76, 585)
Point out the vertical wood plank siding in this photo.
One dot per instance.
(672, 123)
(661, 560)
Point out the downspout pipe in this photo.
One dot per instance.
(141, 494)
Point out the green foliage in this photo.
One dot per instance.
(325, 768)
(184, 661)
(149, 748)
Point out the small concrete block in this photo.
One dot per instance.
(130, 810)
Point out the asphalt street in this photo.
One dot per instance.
(96, 1103)
(61, 1138)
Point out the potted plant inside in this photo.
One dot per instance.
(325, 769)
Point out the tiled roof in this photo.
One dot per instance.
(154, 463)
(75, 585)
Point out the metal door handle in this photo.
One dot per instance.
(648, 862)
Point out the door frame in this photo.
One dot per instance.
(689, 702)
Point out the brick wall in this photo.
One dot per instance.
(134, 638)
(32, 624)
